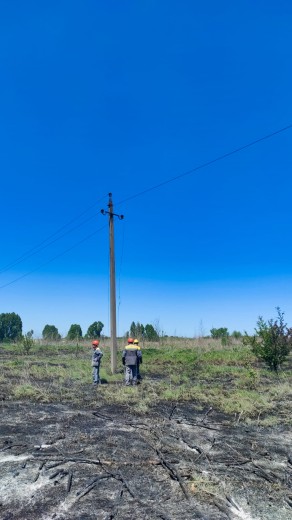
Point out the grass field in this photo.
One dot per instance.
(201, 371)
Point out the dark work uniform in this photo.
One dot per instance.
(96, 359)
(131, 357)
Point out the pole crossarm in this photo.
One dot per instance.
(120, 217)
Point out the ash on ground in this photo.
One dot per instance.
(173, 463)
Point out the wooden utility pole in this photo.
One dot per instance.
(113, 320)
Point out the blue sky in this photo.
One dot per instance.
(99, 97)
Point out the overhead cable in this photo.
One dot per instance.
(54, 258)
(204, 165)
(45, 243)
(172, 179)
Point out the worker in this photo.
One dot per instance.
(131, 357)
(96, 359)
(136, 343)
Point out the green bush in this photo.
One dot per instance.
(272, 341)
(27, 342)
(222, 334)
(236, 334)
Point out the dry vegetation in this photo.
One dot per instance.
(205, 436)
(228, 378)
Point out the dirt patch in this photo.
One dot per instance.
(60, 462)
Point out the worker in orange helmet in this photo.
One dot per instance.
(131, 357)
(96, 359)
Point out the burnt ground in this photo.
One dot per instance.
(173, 463)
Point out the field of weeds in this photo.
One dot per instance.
(228, 378)
(206, 435)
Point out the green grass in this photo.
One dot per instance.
(201, 372)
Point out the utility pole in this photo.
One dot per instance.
(113, 320)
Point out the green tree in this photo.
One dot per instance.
(10, 326)
(150, 333)
(236, 334)
(50, 332)
(94, 330)
(140, 330)
(219, 333)
(75, 332)
(136, 330)
(133, 329)
(272, 341)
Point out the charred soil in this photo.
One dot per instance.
(166, 449)
(62, 462)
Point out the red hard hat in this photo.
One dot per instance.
(95, 342)
(130, 340)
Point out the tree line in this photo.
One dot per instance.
(51, 333)
(137, 330)
(271, 343)
(11, 329)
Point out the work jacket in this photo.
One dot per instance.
(96, 357)
(131, 355)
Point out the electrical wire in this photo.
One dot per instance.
(108, 295)
(48, 244)
(54, 258)
(36, 249)
(172, 179)
(204, 165)
(120, 271)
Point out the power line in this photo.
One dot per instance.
(204, 165)
(36, 249)
(52, 259)
(120, 271)
(189, 172)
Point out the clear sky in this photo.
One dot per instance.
(121, 96)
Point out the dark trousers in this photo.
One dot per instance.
(131, 375)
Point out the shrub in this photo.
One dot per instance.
(219, 333)
(272, 341)
(222, 334)
(236, 334)
(27, 342)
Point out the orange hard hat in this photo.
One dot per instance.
(130, 340)
(95, 342)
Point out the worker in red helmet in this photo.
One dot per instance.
(96, 359)
(131, 357)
